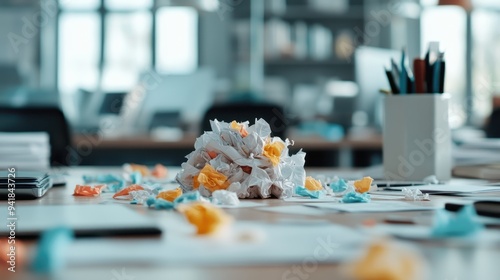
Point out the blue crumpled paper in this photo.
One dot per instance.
(50, 255)
(463, 223)
(159, 203)
(355, 197)
(114, 182)
(188, 197)
(338, 186)
(302, 191)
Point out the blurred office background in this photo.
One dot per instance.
(136, 78)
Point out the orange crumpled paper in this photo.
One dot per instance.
(313, 184)
(126, 191)
(386, 261)
(207, 218)
(159, 171)
(363, 185)
(85, 190)
(273, 151)
(211, 179)
(170, 195)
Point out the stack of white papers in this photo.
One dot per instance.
(25, 150)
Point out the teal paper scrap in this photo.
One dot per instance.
(50, 256)
(113, 182)
(463, 223)
(355, 197)
(159, 203)
(302, 191)
(339, 186)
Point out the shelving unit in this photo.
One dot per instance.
(304, 69)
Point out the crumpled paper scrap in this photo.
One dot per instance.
(159, 203)
(223, 197)
(132, 167)
(140, 196)
(415, 194)
(212, 180)
(432, 179)
(463, 223)
(302, 191)
(313, 184)
(338, 186)
(22, 254)
(159, 171)
(136, 178)
(189, 197)
(207, 218)
(355, 197)
(125, 193)
(242, 159)
(363, 185)
(114, 182)
(86, 190)
(273, 151)
(170, 195)
(385, 260)
(50, 255)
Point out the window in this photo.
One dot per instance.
(450, 33)
(485, 55)
(104, 45)
(177, 44)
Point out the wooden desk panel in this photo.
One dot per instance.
(300, 142)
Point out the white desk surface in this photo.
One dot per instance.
(446, 260)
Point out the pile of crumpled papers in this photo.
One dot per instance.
(243, 159)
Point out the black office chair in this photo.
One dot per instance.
(239, 111)
(36, 119)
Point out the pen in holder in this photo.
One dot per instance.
(417, 141)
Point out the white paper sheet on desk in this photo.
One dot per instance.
(418, 232)
(282, 243)
(243, 204)
(455, 189)
(373, 206)
(311, 200)
(294, 210)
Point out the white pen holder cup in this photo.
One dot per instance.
(417, 141)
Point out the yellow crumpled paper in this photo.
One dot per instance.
(363, 185)
(207, 218)
(170, 195)
(211, 179)
(240, 128)
(313, 184)
(273, 151)
(385, 261)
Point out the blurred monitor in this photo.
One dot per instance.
(9, 76)
(112, 103)
(370, 77)
(189, 94)
(166, 119)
